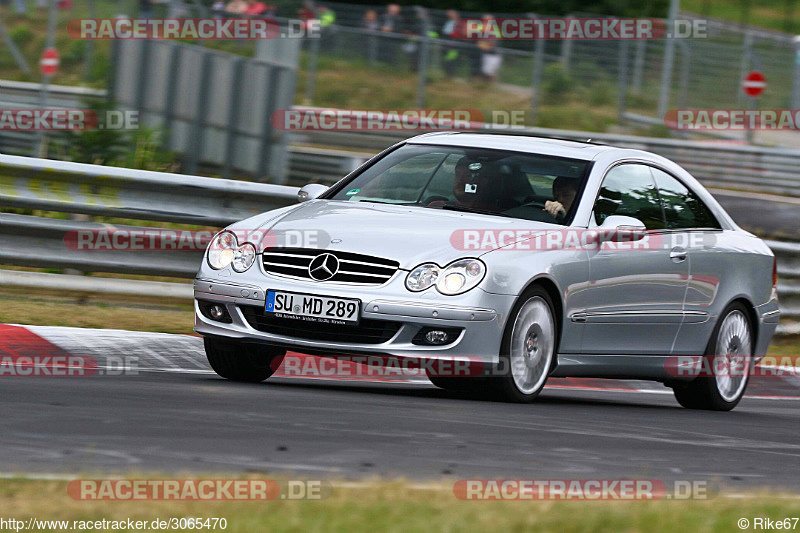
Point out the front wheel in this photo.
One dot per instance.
(729, 354)
(238, 361)
(528, 349)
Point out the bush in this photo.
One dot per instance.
(557, 83)
(21, 35)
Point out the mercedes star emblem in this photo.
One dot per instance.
(323, 267)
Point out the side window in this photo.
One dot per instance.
(682, 208)
(630, 190)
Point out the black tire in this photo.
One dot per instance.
(238, 361)
(501, 385)
(703, 392)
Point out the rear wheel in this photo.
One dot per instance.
(528, 349)
(240, 361)
(730, 356)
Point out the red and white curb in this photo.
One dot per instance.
(184, 354)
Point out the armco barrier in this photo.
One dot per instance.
(135, 194)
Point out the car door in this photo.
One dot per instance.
(634, 297)
(692, 227)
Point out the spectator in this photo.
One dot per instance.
(307, 12)
(491, 59)
(146, 9)
(255, 8)
(218, 9)
(451, 31)
(391, 22)
(370, 20)
(236, 7)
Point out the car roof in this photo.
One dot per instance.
(517, 143)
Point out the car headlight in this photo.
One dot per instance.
(456, 278)
(243, 257)
(224, 250)
(460, 276)
(422, 277)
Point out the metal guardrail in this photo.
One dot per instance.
(750, 168)
(714, 163)
(32, 241)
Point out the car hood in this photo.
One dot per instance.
(409, 235)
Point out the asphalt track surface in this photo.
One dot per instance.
(174, 415)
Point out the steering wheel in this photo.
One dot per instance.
(436, 198)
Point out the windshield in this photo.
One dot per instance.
(495, 182)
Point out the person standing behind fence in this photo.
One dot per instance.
(236, 7)
(392, 22)
(451, 31)
(491, 58)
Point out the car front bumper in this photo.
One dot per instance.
(481, 318)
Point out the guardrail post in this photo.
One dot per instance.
(172, 94)
(233, 118)
(266, 125)
(198, 128)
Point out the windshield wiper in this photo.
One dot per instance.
(465, 209)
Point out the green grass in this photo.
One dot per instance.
(765, 13)
(398, 506)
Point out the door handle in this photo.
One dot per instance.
(677, 254)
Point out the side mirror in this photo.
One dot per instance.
(310, 192)
(620, 228)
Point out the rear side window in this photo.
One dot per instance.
(682, 208)
(629, 190)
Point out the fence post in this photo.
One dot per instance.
(744, 65)
(311, 74)
(669, 59)
(795, 103)
(566, 48)
(422, 67)
(622, 71)
(536, 80)
(88, 52)
(40, 150)
(638, 65)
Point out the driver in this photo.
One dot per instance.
(564, 192)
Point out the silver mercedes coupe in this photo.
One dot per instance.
(524, 257)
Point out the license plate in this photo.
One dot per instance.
(313, 308)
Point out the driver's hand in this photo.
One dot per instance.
(554, 208)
